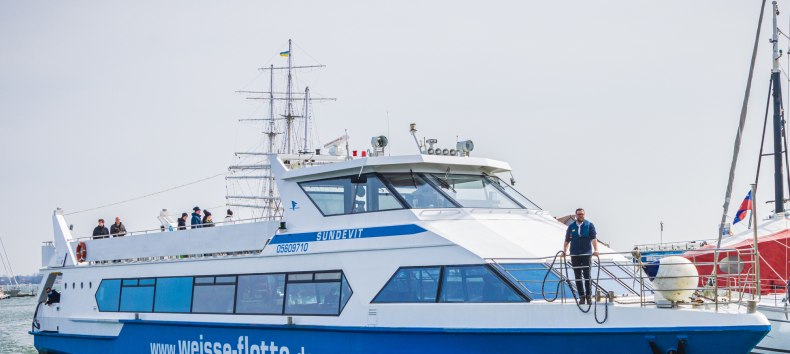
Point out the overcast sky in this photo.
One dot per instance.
(626, 108)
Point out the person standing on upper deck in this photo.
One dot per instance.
(581, 236)
(182, 221)
(229, 217)
(196, 219)
(117, 229)
(100, 231)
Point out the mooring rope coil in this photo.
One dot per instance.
(565, 277)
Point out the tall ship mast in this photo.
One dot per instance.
(250, 183)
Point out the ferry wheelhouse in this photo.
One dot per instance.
(421, 253)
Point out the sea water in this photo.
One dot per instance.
(16, 316)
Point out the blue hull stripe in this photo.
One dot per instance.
(139, 336)
(348, 234)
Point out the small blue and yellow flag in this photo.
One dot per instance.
(285, 53)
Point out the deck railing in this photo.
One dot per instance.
(726, 276)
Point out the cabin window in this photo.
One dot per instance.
(530, 278)
(411, 285)
(137, 295)
(351, 195)
(214, 294)
(321, 294)
(260, 294)
(173, 295)
(468, 283)
(417, 192)
(108, 295)
(475, 284)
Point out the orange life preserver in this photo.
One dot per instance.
(82, 252)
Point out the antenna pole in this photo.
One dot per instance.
(306, 117)
(777, 98)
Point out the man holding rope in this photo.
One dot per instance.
(580, 235)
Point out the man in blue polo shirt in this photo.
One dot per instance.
(581, 237)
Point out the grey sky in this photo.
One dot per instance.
(627, 108)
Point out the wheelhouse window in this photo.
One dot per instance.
(473, 191)
(351, 195)
(417, 192)
(469, 283)
(513, 193)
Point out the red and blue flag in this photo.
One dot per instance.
(746, 205)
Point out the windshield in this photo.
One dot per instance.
(417, 192)
(513, 193)
(473, 191)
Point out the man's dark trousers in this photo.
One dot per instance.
(581, 268)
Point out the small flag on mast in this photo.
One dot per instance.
(746, 205)
(285, 53)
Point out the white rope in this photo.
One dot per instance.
(148, 195)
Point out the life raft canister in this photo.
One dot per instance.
(82, 252)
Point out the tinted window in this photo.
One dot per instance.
(348, 195)
(261, 294)
(137, 298)
(513, 193)
(475, 284)
(313, 298)
(411, 285)
(213, 298)
(173, 294)
(345, 293)
(417, 192)
(108, 294)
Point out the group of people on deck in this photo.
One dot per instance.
(117, 229)
(197, 221)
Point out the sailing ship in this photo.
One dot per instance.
(756, 260)
(362, 252)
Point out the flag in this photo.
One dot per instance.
(746, 205)
(285, 53)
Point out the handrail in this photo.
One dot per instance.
(188, 227)
(728, 288)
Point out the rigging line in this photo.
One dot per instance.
(762, 140)
(741, 124)
(784, 139)
(148, 195)
(9, 263)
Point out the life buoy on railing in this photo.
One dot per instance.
(82, 252)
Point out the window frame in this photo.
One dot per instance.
(341, 305)
(396, 195)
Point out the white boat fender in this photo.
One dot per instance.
(676, 279)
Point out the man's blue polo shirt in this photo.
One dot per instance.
(580, 237)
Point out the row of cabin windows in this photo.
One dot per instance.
(319, 293)
(475, 283)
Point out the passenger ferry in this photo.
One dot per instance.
(369, 253)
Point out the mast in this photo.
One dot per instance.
(778, 119)
(289, 102)
(739, 133)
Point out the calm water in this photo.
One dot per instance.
(16, 314)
